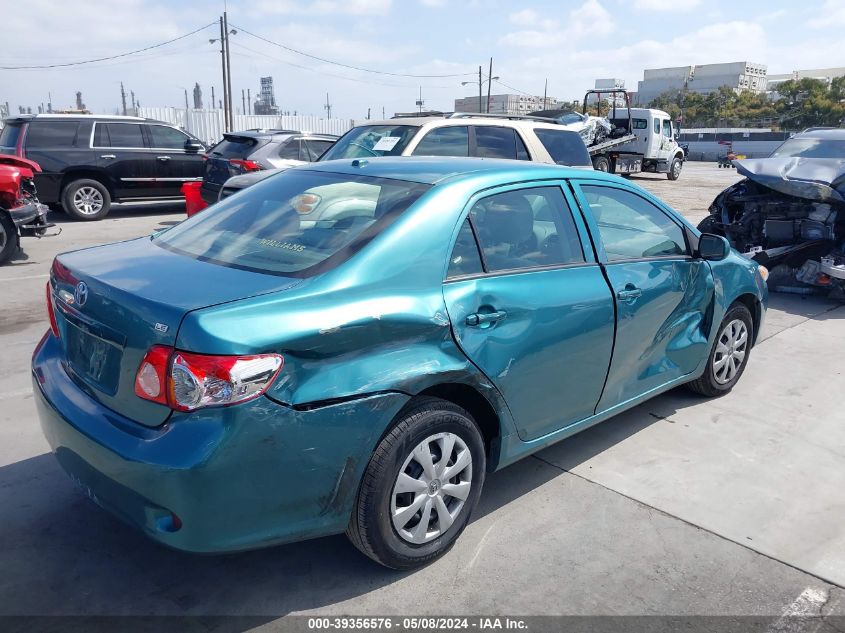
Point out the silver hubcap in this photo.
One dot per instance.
(432, 488)
(730, 351)
(88, 200)
(676, 169)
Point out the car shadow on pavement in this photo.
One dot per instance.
(63, 555)
(125, 211)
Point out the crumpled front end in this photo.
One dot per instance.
(789, 216)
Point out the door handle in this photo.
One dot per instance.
(107, 156)
(629, 294)
(164, 158)
(481, 318)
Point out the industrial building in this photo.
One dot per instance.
(702, 79)
(823, 74)
(509, 104)
(266, 101)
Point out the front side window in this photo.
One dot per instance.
(367, 141)
(657, 126)
(51, 134)
(316, 148)
(122, 135)
(444, 141)
(667, 129)
(526, 228)
(496, 142)
(298, 223)
(631, 227)
(291, 150)
(164, 137)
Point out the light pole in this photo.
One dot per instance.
(480, 90)
(228, 119)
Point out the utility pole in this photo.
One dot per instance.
(328, 107)
(545, 94)
(228, 70)
(489, 84)
(225, 102)
(243, 101)
(368, 114)
(134, 108)
(123, 97)
(187, 107)
(480, 95)
(383, 116)
(213, 100)
(249, 101)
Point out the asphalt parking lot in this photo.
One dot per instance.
(680, 506)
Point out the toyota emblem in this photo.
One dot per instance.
(80, 293)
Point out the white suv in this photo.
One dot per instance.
(459, 134)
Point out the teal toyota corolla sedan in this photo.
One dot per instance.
(352, 345)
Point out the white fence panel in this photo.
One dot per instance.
(207, 125)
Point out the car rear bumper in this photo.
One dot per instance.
(240, 477)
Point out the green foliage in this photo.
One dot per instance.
(802, 103)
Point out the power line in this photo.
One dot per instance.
(101, 59)
(527, 94)
(329, 61)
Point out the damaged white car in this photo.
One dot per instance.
(788, 214)
(592, 129)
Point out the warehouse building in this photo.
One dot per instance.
(509, 104)
(823, 74)
(702, 79)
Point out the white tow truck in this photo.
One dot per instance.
(640, 139)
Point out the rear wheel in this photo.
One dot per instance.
(601, 163)
(8, 237)
(729, 355)
(420, 487)
(86, 199)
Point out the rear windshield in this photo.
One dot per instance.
(564, 146)
(371, 140)
(9, 134)
(297, 223)
(234, 147)
(811, 148)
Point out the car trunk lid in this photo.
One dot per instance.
(112, 303)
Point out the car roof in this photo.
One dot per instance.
(466, 119)
(832, 134)
(103, 117)
(270, 133)
(434, 170)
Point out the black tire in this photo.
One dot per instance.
(601, 163)
(101, 200)
(675, 169)
(371, 528)
(709, 384)
(8, 237)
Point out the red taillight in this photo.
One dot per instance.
(185, 381)
(54, 326)
(245, 165)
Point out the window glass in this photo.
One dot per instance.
(51, 134)
(234, 146)
(521, 150)
(465, 258)
(316, 148)
(9, 135)
(667, 129)
(444, 141)
(124, 134)
(631, 227)
(640, 124)
(495, 142)
(367, 141)
(167, 137)
(811, 148)
(291, 150)
(565, 147)
(292, 223)
(657, 126)
(526, 228)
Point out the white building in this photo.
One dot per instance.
(823, 74)
(703, 79)
(507, 104)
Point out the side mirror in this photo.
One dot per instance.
(194, 146)
(712, 247)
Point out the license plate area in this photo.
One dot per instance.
(93, 359)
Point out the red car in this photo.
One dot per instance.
(20, 212)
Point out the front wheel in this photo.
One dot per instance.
(86, 199)
(601, 164)
(675, 169)
(8, 237)
(420, 487)
(729, 355)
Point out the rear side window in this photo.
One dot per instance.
(444, 141)
(565, 147)
(499, 142)
(298, 223)
(167, 137)
(123, 135)
(234, 147)
(9, 135)
(292, 150)
(465, 260)
(52, 134)
(526, 228)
